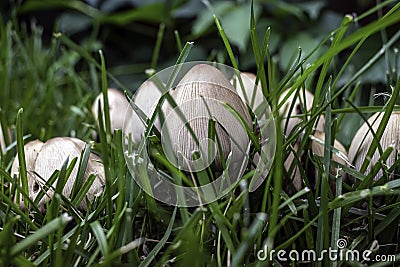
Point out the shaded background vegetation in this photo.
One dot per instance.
(127, 31)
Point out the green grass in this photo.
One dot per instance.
(47, 90)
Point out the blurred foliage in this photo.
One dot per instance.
(127, 29)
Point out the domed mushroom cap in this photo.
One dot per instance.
(118, 106)
(146, 98)
(318, 148)
(364, 138)
(199, 96)
(42, 159)
(303, 103)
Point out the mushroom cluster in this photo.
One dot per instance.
(42, 159)
(122, 116)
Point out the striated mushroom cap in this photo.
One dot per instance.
(198, 95)
(363, 140)
(42, 159)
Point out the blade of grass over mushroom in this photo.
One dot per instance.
(370, 63)
(84, 188)
(121, 166)
(21, 157)
(48, 185)
(382, 127)
(106, 163)
(368, 180)
(83, 163)
(249, 131)
(371, 130)
(181, 59)
(55, 204)
(323, 222)
(367, 30)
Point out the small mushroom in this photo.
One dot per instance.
(251, 94)
(146, 99)
(339, 156)
(364, 138)
(317, 148)
(291, 116)
(118, 107)
(199, 95)
(42, 159)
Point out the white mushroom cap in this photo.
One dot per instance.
(317, 148)
(363, 140)
(118, 106)
(204, 85)
(42, 159)
(253, 94)
(298, 109)
(146, 98)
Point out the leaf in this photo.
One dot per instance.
(236, 25)
(150, 13)
(205, 20)
(289, 49)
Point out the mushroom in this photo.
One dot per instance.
(42, 159)
(301, 105)
(317, 149)
(199, 96)
(146, 98)
(364, 138)
(251, 94)
(118, 107)
(291, 119)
